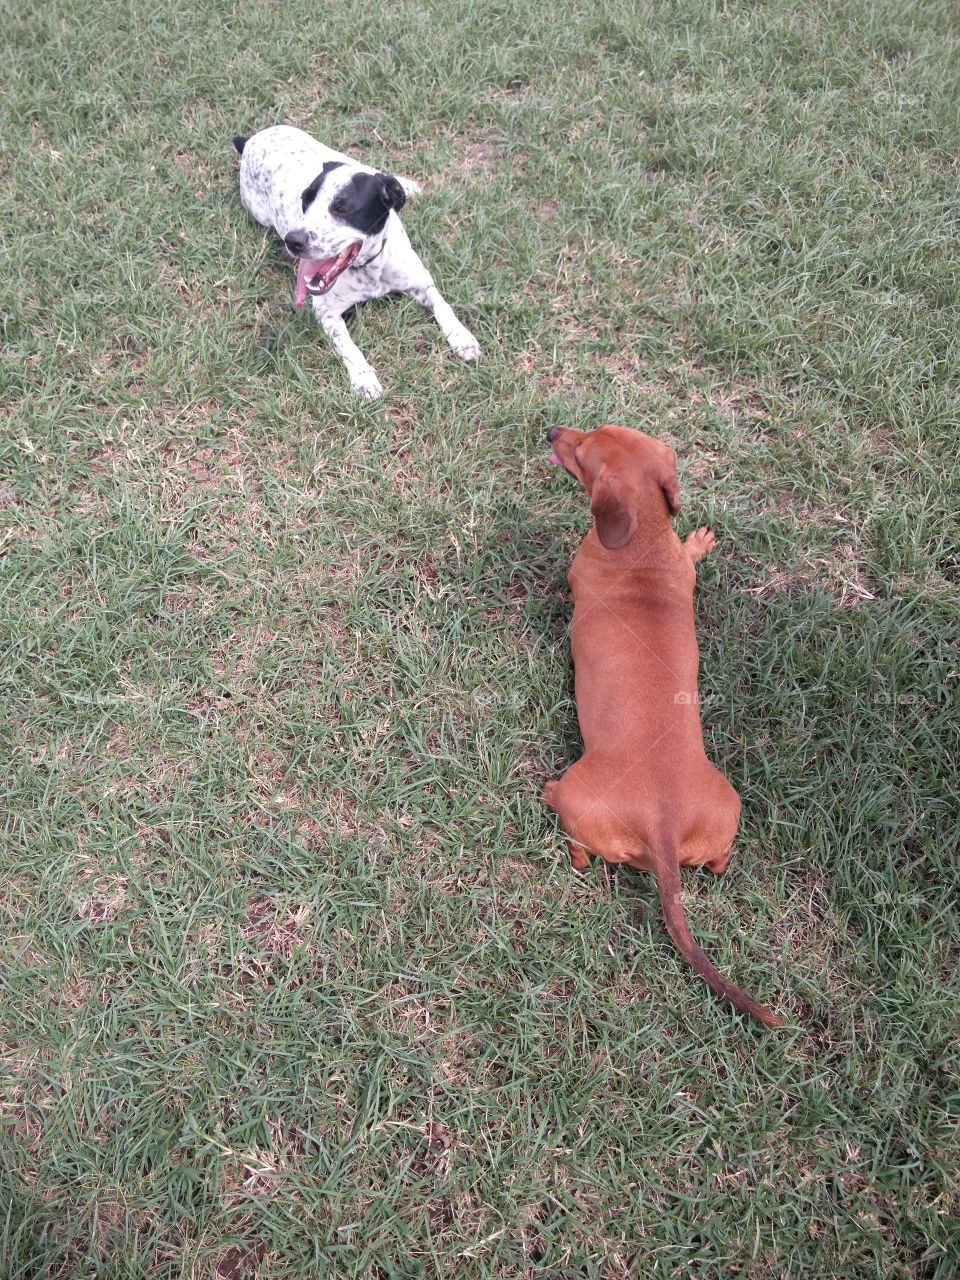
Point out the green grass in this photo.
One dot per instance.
(296, 980)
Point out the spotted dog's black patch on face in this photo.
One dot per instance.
(366, 200)
(310, 194)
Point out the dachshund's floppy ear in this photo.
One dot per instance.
(392, 194)
(612, 510)
(668, 482)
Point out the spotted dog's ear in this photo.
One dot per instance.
(310, 193)
(392, 194)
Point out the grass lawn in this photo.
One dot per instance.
(295, 978)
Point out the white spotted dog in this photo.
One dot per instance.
(339, 220)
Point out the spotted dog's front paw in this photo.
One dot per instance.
(465, 345)
(366, 383)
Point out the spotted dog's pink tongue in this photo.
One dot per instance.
(307, 268)
(320, 274)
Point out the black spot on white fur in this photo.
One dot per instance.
(310, 193)
(366, 200)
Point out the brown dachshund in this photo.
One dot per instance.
(643, 792)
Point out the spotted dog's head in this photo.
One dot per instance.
(344, 209)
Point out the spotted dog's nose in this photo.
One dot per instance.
(296, 241)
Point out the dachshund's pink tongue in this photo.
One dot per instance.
(307, 268)
(555, 460)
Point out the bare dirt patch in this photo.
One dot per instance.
(240, 1262)
(102, 899)
(279, 928)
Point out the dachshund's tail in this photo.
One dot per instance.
(668, 883)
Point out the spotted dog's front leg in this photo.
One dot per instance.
(406, 274)
(461, 340)
(362, 378)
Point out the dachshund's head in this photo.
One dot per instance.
(628, 475)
